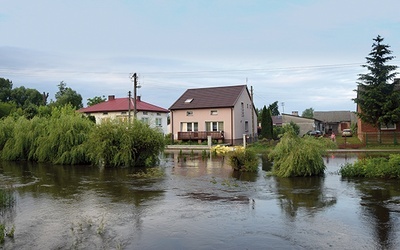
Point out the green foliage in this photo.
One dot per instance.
(122, 144)
(2, 233)
(96, 100)
(379, 167)
(378, 100)
(308, 113)
(66, 95)
(243, 159)
(23, 97)
(7, 108)
(296, 128)
(57, 139)
(295, 156)
(67, 137)
(266, 124)
(7, 198)
(5, 90)
(148, 173)
(274, 108)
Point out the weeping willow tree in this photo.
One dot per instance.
(121, 144)
(63, 140)
(58, 139)
(21, 140)
(295, 156)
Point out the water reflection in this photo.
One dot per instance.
(200, 203)
(306, 193)
(377, 200)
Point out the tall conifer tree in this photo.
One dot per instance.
(378, 100)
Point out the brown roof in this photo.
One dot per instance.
(122, 104)
(215, 97)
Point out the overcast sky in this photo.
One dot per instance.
(301, 53)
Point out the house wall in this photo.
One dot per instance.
(229, 116)
(242, 113)
(151, 117)
(201, 116)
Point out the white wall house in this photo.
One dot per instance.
(123, 108)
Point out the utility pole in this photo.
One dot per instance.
(129, 113)
(252, 115)
(134, 94)
(135, 86)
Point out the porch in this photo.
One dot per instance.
(201, 135)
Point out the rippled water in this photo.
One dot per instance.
(198, 204)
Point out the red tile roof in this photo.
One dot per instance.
(122, 104)
(215, 97)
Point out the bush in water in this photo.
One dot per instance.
(67, 137)
(379, 167)
(243, 159)
(295, 156)
(121, 144)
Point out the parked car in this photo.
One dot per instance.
(347, 133)
(315, 133)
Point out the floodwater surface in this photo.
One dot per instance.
(197, 204)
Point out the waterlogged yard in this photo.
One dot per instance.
(197, 202)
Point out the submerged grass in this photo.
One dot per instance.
(7, 198)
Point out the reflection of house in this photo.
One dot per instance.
(121, 108)
(335, 121)
(305, 124)
(224, 113)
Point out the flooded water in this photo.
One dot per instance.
(197, 204)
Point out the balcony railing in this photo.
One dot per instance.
(200, 135)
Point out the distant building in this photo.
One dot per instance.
(122, 108)
(335, 121)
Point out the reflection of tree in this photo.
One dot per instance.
(266, 163)
(302, 192)
(374, 201)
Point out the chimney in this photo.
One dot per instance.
(111, 97)
(296, 113)
(138, 98)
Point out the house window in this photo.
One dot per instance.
(189, 113)
(189, 100)
(246, 126)
(105, 113)
(158, 114)
(390, 126)
(189, 126)
(158, 122)
(145, 120)
(214, 112)
(242, 104)
(123, 113)
(144, 112)
(214, 126)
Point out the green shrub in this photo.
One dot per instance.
(295, 156)
(121, 144)
(378, 167)
(242, 159)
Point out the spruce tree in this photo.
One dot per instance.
(264, 122)
(378, 99)
(270, 129)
